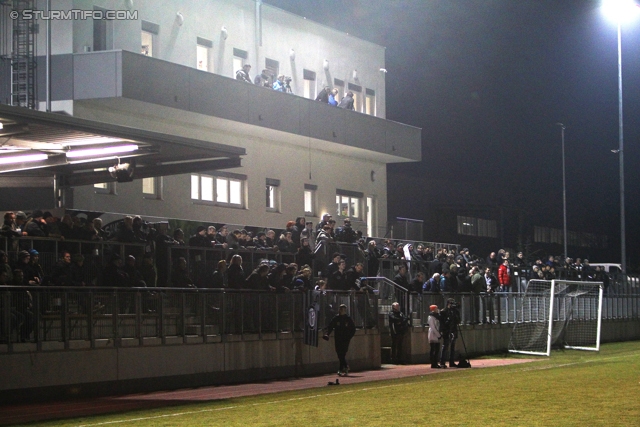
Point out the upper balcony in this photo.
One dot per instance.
(121, 78)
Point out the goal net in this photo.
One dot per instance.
(557, 314)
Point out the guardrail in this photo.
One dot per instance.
(65, 315)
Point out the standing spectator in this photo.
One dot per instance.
(279, 85)
(219, 277)
(135, 275)
(35, 267)
(333, 97)
(180, 277)
(433, 284)
(417, 283)
(61, 274)
(346, 233)
(492, 285)
(492, 261)
(449, 320)
(345, 329)
(478, 286)
(347, 101)
(37, 226)
(148, 270)
(398, 326)
(235, 274)
(243, 74)
(325, 221)
(504, 276)
(373, 256)
(338, 279)
(323, 96)
(257, 280)
(263, 79)
(10, 230)
(199, 239)
(305, 254)
(434, 336)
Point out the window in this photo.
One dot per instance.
(357, 96)
(203, 48)
(273, 195)
(152, 187)
(348, 203)
(147, 44)
(310, 199)
(370, 217)
(239, 56)
(104, 187)
(470, 226)
(149, 33)
(102, 32)
(339, 84)
(370, 102)
(309, 90)
(222, 190)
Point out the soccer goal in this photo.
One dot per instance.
(557, 314)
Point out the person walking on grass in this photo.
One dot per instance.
(345, 329)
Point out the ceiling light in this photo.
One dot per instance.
(101, 151)
(90, 141)
(22, 158)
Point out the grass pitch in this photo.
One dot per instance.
(571, 388)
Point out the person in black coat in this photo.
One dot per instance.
(398, 326)
(345, 329)
(323, 96)
(347, 101)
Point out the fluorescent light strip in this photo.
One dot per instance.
(102, 151)
(23, 158)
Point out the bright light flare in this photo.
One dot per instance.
(101, 151)
(620, 11)
(23, 158)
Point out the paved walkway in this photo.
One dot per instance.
(18, 414)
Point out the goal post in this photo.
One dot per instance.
(557, 313)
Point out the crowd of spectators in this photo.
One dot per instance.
(282, 83)
(416, 267)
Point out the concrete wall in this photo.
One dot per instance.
(266, 158)
(131, 367)
(126, 369)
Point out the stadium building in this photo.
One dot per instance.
(153, 90)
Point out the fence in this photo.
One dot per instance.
(45, 314)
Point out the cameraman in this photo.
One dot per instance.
(282, 84)
(449, 320)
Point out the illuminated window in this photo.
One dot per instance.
(357, 96)
(203, 58)
(239, 57)
(272, 190)
(149, 34)
(370, 102)
(221, 190)
(310, 199)
(339, 84)
(348, 204)
(152, 187)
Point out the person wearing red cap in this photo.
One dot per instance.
(434, 336)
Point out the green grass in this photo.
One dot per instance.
(571, 388)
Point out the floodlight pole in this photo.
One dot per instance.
(564, 193)
(623, 243)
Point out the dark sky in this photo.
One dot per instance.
(487, 81)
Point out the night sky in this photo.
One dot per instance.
(487, 81)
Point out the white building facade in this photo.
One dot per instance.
(169, 67)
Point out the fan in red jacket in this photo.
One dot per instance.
(504, 276)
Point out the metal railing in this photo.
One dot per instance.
(65, 314)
